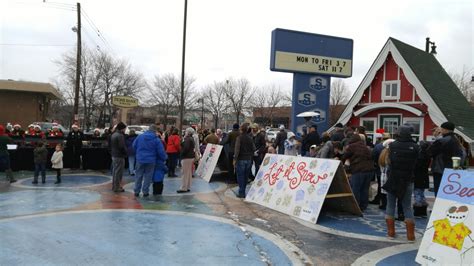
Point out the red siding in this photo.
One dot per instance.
(365, 97)
(375, 113)
(429, 125)
(391, 71)
(406, 89)
(376, 93)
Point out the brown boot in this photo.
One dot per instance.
(390, 227)
(410, 230)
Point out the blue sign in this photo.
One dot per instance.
(314, 59)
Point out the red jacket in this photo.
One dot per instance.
(174, 144)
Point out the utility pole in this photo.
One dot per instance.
(202, 113)
(78, 63)
(181, 111)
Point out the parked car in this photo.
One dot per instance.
(138, 129)
(46, 126)
(271, 134)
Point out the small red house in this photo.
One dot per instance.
(408, 85)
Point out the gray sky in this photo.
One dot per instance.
(226, 37)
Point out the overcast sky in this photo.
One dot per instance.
(226, 38)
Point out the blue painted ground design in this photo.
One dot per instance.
(41, 200)
(67, 181)
(404, 258)
(373, 223)
(131, 238)
(171, 185)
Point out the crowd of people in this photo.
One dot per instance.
(398, 164)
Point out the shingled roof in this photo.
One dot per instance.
(440, 87)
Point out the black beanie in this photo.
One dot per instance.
(447, 125)
(121, 126)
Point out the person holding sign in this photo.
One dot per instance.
(402, 157)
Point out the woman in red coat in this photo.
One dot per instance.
(172, 149)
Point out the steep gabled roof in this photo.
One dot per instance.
(440, 87)
(433, 85)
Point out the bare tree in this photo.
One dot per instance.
(267, 100)
(238, 92)
(464, 82)
(162, 95)
(339, 97)
(216, 100)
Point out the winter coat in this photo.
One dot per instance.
(403, 155)
(57, 160)
(74, 139)
(280, 139)
(311, 139)
(338, 135)
(327, 151)
(40, 155)
(118, 146)
(442, 150)
(421, 167)
(174, 144)
(231, 139)
(244, 148)
(149, 148)
(187, 148)
(160, 171)
(211, 139)
(129, 142)
(260, 143)
(359, 156)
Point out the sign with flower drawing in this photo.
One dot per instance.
(208, 162)
(298, 186)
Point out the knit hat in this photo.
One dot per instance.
(121, 126)
(387, 142)
(448, 126)
(290, 135)
(189, 131)
(404, 131)
(339, 125)
(235, 126)
(282, 127)
(16, 125)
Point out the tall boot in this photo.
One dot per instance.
(157, 188)
(390, 227)
(410, 230)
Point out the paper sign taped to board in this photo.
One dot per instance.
(12, 146)
(208, 162)
(296, 186)
(449, 235)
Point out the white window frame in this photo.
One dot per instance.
(390, 82)
(374, 119)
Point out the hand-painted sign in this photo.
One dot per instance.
(293, 185)
(306, 98)
(449, 235)
(124, 101)
(208, 162)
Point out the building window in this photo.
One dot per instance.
(417, 125)
(391, 90)
(370, 125)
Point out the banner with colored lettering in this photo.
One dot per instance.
(449, 235)
(208, 162)
(293, 185)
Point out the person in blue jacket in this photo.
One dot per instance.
(158, 176)
(148, 149)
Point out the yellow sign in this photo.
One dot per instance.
(124, 101)
(313, 64)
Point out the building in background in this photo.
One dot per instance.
(25, 102)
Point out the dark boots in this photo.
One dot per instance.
(420, 211)
(390, 227)
(157, 188)
(58, 180)
(9, 175)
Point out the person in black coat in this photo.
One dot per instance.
(422, 180)
(311, 139)
(74, 145)
(280, 140)
(338, 135)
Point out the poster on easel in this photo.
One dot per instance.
(299, 186)
(208, 161)
(449, 235)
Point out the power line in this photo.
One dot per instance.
(34, 44)
(92, 39)
(96, 29)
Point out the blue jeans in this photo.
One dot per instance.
(144, 174)
(131, 164)
(360, 183)
(420, 199)
(40, 167)
(406, 203)
(243, 169)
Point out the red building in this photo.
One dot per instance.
(408, 85)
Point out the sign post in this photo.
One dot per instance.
(314, 59)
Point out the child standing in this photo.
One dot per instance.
(40, 156)
(57, 162)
